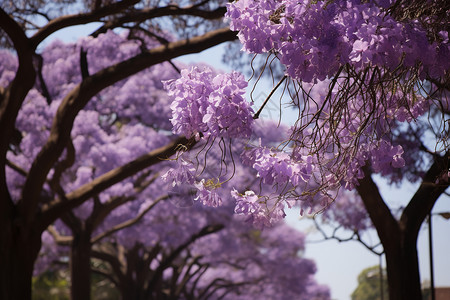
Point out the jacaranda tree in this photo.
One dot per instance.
(371, 83)
(370, 80)
(33, 191)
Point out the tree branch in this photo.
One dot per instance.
(112, 260)
(99, 184)
(354, 237)
(62, 240)
(176, 289)
(165, 263)
(16, 168)
(170, 10)
(103, 209)
(78, 19)
(386, 225)
(127, 223)
(431, 188)
(104, 274)
(12, 97)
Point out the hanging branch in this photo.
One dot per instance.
(256, 116)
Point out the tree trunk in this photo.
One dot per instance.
(18, 251)
(130, 290)
(399, 237)
(399, 240)
(133, 281)
(403, 270)
(80, 266)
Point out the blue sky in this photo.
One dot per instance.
(339, 263)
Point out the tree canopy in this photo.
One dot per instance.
(370, 284)
(44, 123)
(370, 80)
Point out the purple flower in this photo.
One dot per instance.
(209, 105)
(260, 211)
(207, 193)
(183, 173)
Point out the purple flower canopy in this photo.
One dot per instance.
(339, 132)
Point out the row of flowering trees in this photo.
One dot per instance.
(86, 149)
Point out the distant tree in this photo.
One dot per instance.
(369, 285)
(50, 285)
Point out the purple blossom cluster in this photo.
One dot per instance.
(311, 169)
(260, 211)
(278, 167)
(185, 173)
(314, 38)
(207, 193)
(349, 212)
(291, 172)
(205, 105)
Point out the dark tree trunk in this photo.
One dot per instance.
(130, 290)
(80, 266)
(18, 251)
(135, 279)
(403, 270)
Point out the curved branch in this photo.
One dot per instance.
(92, 85)
(431, 188)
(128, 223)
(110, 178)
(170, 10)
(200, 270)
(386, 225)
(102, 210)
(165, 263)
(16, 168)
(59, 169)
(62, 240)
(12, 97)
(113, 261)
(78, 19)
(104, 274)
(354, 237)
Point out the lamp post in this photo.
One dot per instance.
(381, 277)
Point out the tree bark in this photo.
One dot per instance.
(398, 243)
(18, 251)
(403, 270)
(80, 266)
